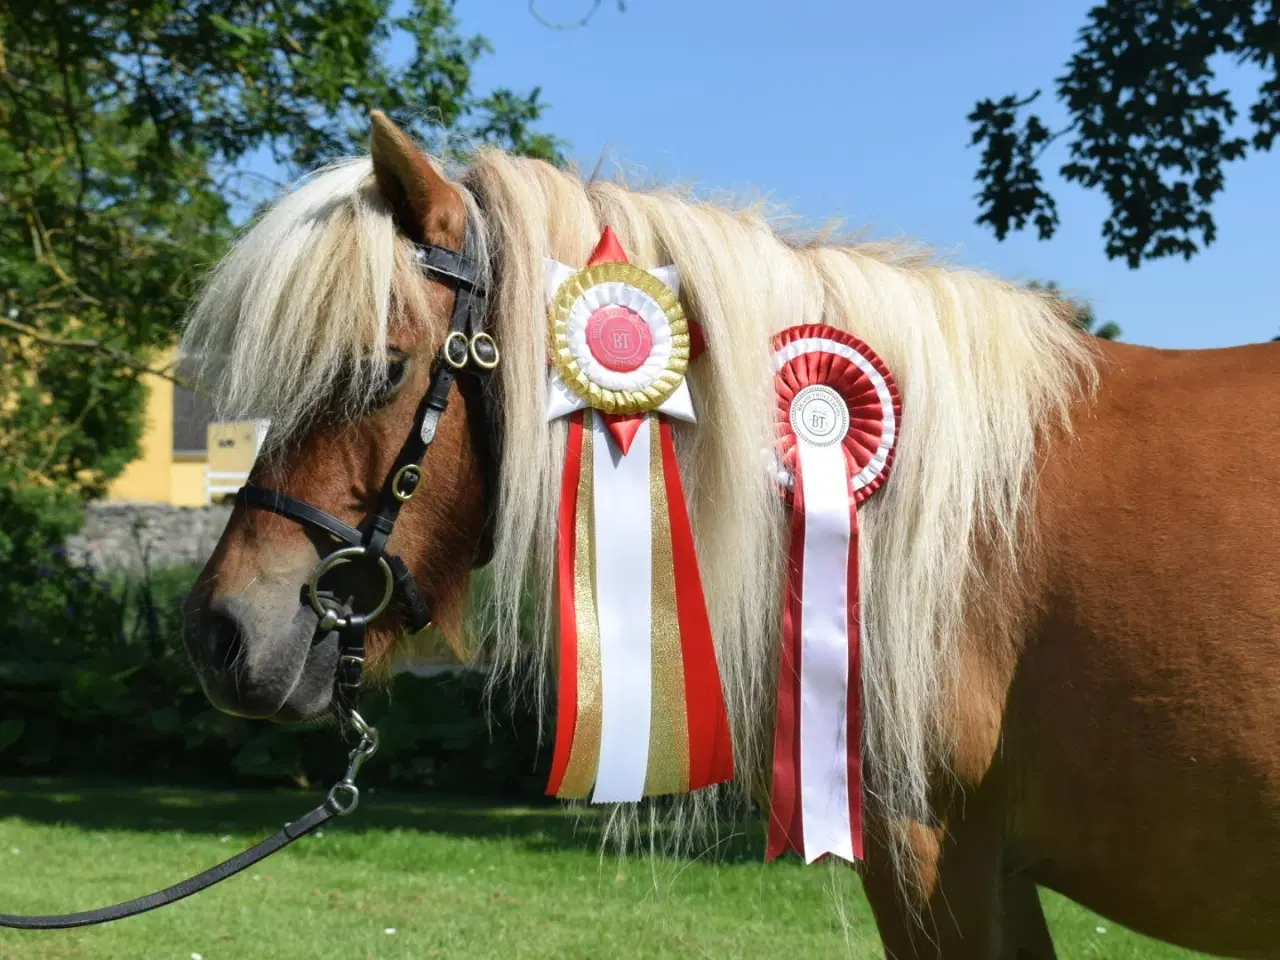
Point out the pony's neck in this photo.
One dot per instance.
(984, 368)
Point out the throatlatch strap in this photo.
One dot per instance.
(179, 891)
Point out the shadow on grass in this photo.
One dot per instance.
(126, 806)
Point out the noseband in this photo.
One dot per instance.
(467, 349)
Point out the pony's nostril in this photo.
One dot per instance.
(248, 667)
(225, 639)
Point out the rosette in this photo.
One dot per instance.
(640, 709)
(839, 416)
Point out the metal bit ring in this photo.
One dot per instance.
(345, 555)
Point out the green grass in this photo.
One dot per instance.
(452, 879)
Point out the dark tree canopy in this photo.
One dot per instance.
(1149, 124)
(126, 131)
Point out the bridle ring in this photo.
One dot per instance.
(457, 336)
(345, 555)
(480, 362)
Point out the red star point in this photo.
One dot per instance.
(608, 250)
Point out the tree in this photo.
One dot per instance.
(1081, 311)
(1148, 123)
(124, 134)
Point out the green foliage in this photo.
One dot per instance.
(125, 134)
(1081, 311)
(94, 681)
(425, 877)
(1148, 124)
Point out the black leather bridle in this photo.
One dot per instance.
(468, 349)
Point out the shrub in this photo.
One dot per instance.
(94, 682)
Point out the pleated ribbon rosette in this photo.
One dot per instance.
(839, 415)
(641, 709)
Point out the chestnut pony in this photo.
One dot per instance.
(1071, 583)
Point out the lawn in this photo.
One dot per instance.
(417, 877)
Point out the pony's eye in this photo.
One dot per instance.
(398, 369)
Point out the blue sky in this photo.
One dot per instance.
(856, 111)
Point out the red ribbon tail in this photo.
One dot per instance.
(567, 703)
(786, 823)
(710, 744)
(853, 708)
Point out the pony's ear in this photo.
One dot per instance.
(426, 207)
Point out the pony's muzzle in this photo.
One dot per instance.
(249, 668)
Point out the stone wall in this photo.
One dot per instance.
(118, 536)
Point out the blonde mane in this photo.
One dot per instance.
(983, 367)
(305, 292)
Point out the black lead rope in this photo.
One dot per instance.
(201, 881)
(341, 800)
(467, 349)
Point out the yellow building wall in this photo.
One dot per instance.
(187, 482)
(148, 479)
(157, 476)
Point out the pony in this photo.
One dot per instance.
(1071, 584)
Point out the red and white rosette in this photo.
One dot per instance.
(839, 416)
(640, 709)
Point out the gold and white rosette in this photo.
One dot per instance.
(641, 711)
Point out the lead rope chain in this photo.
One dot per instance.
(344, 796)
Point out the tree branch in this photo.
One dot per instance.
(58, 435)
(73, 129)
(571, 25)
(104, 350)
(1048, 142)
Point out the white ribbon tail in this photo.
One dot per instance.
(624, 571)
(824, 660)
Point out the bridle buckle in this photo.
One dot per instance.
(410, 473)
